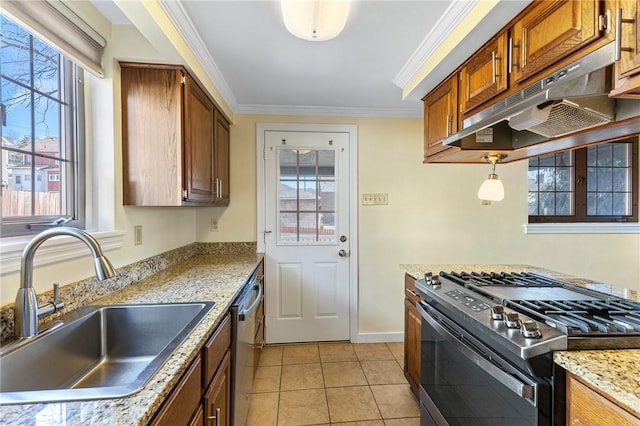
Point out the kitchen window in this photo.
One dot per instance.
(42, 118)
(598, 183)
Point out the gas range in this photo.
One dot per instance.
(529, 314)
(487, 343)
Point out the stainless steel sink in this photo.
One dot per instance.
(98, 352)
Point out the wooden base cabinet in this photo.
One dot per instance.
(587, 406)
(217, 398)
(202, 397)
(412, 326)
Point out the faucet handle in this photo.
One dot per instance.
(53, 305)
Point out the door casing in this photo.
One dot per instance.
(352, 130)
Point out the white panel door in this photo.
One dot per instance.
(307, 236)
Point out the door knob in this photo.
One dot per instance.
(343, 253)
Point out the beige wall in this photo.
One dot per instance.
(433, 216)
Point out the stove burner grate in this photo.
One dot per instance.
(580, 317)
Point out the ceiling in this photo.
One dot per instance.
(259, 67)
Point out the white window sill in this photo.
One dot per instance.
(582, 228)
(57, 249)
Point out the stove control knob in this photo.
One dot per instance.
(497, 312)
(511, 320)
(432, 280)
(529, 329)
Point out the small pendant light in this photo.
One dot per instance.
(492, 188)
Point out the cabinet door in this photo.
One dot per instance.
(198, 144)
(221, 161)
(151, 135)
(588, 407)
(184, 399)
(550, 31)
(412, 324)
(627, 68)
(484, 75)
(440, 116)
(218, 396)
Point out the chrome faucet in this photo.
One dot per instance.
(26, 309)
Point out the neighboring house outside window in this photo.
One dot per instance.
(42, 177)
(598, 183)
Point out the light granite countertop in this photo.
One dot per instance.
(201, 278)
(614, 372)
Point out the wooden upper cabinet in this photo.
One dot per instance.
(152, 135)
(627, 67)
(169, 128)
(485, 74)
(221, 167)
(549, 31)
(440, 118)
(198, 144)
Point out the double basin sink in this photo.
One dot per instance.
(98, 352)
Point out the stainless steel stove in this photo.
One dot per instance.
(502, 329)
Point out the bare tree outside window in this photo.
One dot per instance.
(594, 184)
(38, 130)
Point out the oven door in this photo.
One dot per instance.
(465, 383)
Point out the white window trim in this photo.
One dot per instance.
(55, 250)
(582, 228)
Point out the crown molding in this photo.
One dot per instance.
(305, 110)
(454, 14)
(183, 24)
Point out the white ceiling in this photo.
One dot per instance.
(260, 68)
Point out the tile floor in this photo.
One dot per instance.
(332, 384)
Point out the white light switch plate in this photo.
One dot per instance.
(372, 199)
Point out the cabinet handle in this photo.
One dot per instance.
(447, 125)
(413, 293)
(512, 47)
(216, 417)
(220, 186)
(618, 46)
(493, 67)
(510, 54)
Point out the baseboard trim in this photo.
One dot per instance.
(377, 337)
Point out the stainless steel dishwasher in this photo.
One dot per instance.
(244, 323)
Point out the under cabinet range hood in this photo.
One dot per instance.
(571, 99)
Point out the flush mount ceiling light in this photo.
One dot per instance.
(492, 189)
(315, 20)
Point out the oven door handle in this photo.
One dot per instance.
(521, 389)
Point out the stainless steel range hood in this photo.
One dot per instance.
(571, 99)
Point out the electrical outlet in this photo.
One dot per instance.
(137, 235)
(214, 224)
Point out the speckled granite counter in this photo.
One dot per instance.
(201, 278)
(614, 372)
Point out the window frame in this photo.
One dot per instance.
(71, 172)
(580, 191)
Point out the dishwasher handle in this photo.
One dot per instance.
(244, 312)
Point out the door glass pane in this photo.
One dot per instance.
(306, 196)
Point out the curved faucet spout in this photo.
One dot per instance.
(26, 305)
